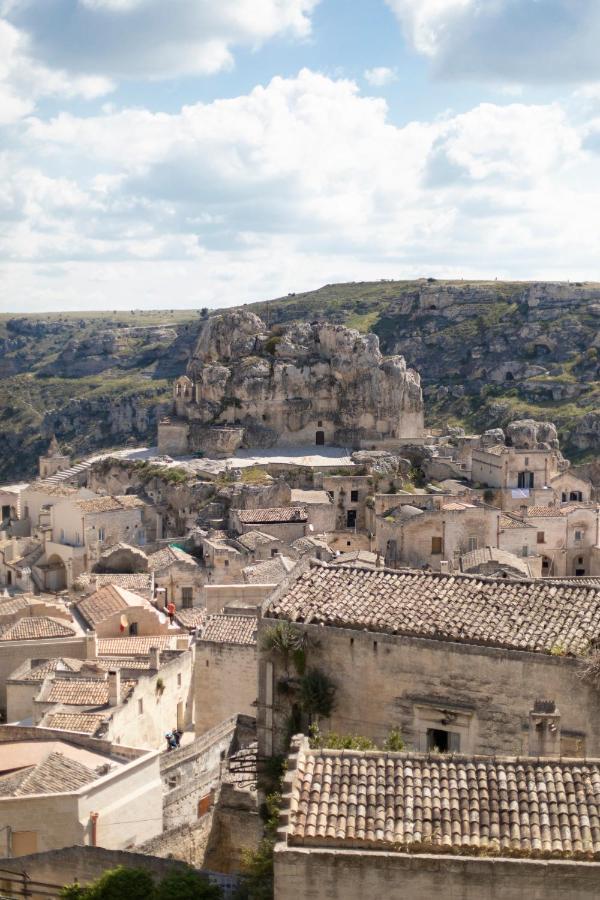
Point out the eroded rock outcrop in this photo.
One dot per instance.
(306, 383)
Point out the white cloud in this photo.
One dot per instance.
(379, 76)
(299, 182)
(152, 38)
(505, 40)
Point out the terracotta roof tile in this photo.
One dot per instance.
(524, 615)
(225, 629)
(191, 617)
(35, 628)
(86, 723)
(392, 801)
(83, 693)
(513, 522)
(548, 512)
(40, 672)
(271, 571)
(168, 556)
(273, 515)
(55, 774)
(107, 601)
(253, 539)
(110, 504)
(132, 646)
(130, 581)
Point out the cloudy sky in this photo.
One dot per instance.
(183, 153)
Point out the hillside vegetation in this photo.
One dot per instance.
(487, 352)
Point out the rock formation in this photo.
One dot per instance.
(318, 383)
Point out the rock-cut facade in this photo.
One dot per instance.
(247, 386)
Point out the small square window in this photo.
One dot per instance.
(226, 563)
(187, 597)
(274, 551)
(579, 535)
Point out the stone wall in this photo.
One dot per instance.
(236, 827)
(351, 875)
(482, 693)
(225, 682)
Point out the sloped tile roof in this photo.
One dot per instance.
(64, 664)
(191, 617)
(35, 628)
(130, 581)
(11, 605)
(168, 556)
(376, 800)
(273, 515)
(83, 693)
(225, 629)
(548, 512)
(523, 615)
(512, 522)
(486, 555)
(253, 539)
(86, 723)
(107, 601)
(55, 774)
(271, 571)
(132, 646)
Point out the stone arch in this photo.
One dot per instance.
(509, 376)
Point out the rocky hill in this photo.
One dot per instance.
(487, 353)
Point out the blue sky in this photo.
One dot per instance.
(198, 153)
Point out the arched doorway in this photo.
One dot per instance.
(320, 439)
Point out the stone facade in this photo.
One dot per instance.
(315, 384)
(225, 682)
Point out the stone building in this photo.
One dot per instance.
(226, 669)
(61, 789)
(54, 460)
(301, 384)
(408, 826)
(567, 537)
(453, 661)
(112, 611)
(288, 523)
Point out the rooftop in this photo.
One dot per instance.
(35, 628)
(135, 646)
(513, 522)
(107, 601)
(55, 774)
(75, 692)
(84, 723)
(399, 801)
(527, 615)
(110, 504)
(493, 555)
(271, 571)
(225, 629)
(272, 515)
(253, 539)
(191, 617)
(131, 582)
(168, 556)
(549, 512)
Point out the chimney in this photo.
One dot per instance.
(544, 729)
(91, 645)
(154, 654)
(114, 687)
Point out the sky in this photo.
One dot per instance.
(191, 153)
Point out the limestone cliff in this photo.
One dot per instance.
(312, 383)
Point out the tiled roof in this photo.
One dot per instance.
(271, 571)
(230, 630)
(548, 512)
(106, 663)
(191, 617)
(35, 628)
(513, 522)
(107, 601)
(273, 515)
(168, 556)
(63, 664)
(360, 558)
(308, 544)
(86, 723)
(131, 582)
(110, 504)
(57, 490)
(486, 555)
(55, 774)
(253, 539)
(11, 605)
(132, 646)
(523, 615)
(83, 693)
(394, 801)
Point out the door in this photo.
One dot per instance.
(320, 438)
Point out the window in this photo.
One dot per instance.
(436, 546)
(353, 496)
(526, 460)
(578, 535)
(351, 518)
(179, 679)
(472, 543)
(140, 707)
(580, 560)
(541, 538)
(576, 495)
(101, 534)
(441, 741)
(525, 480)
(525, 551)
(133, 629)
(187, 597)
(274, 551)
(226, 563)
